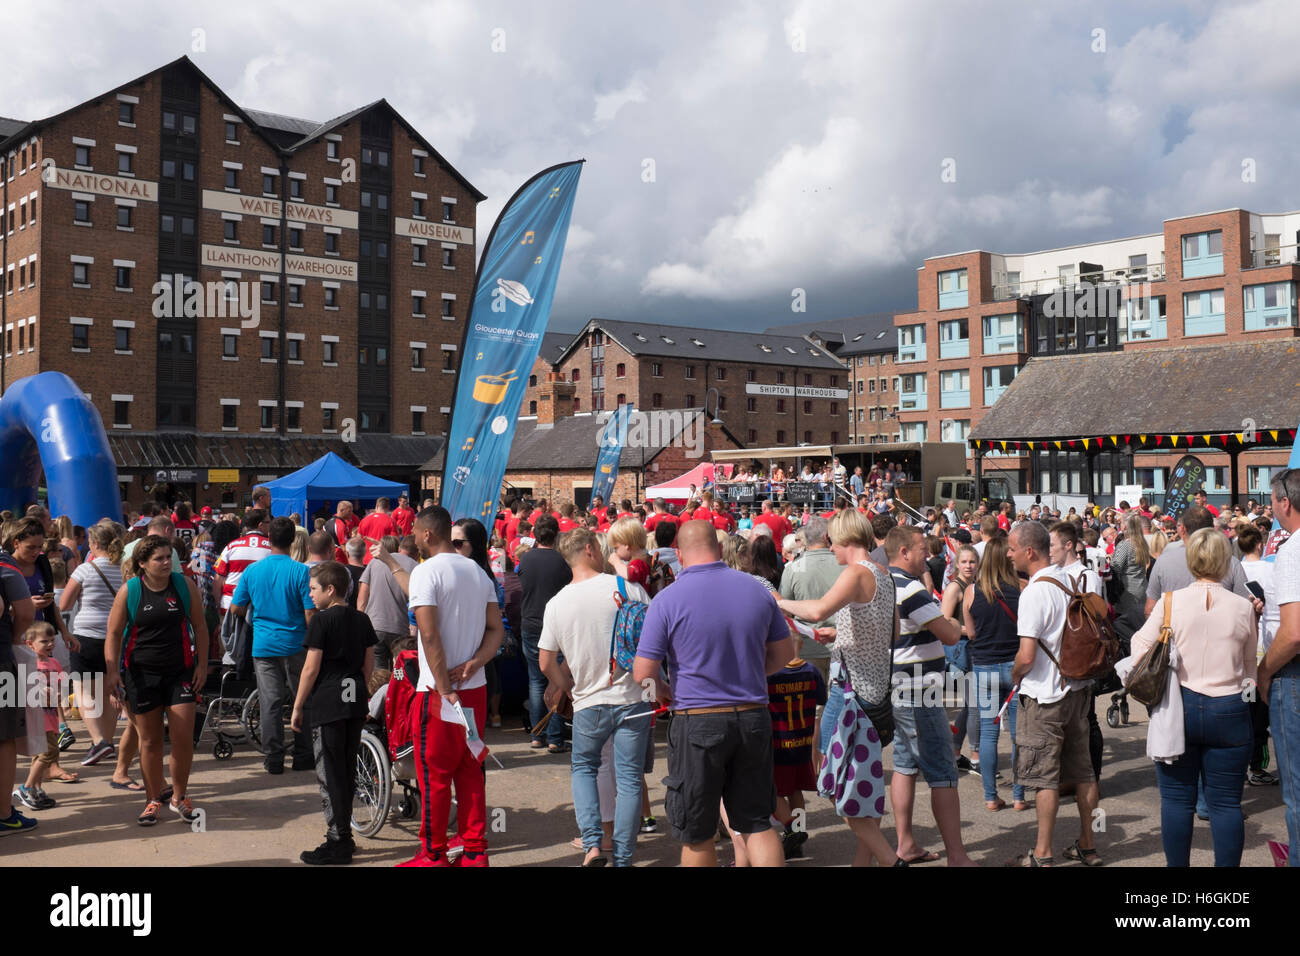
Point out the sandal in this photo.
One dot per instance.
(996, 805)
(537, 745)
(67, 778)
(1029, 860)
(558, 749)
(1020, 806)
(1088, 857)
(129, 785)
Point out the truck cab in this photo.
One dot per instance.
(961, 489)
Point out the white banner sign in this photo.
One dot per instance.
(803, 391)
(437, 231)
(298, 212)
(121, 186)
(1129, 493)
(251, 260)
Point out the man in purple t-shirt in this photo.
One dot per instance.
(722, 634)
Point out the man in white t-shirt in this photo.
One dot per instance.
(1279, 674)
(455, 606)
(577, 623)
(1052, 727)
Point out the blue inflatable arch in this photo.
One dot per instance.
(47, 424)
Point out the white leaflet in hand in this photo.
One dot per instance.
(453, 713)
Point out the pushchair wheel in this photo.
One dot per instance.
(1123, 709)
(1112, 716)
(223, 750)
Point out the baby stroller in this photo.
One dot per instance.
(229, 691)
(385, 757)
(1117, 711)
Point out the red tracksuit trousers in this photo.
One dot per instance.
(443, 758)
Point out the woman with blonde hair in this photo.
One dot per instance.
(94, 584)
(298, 550)
(1214, 632)
(862, 600)
(966, 719)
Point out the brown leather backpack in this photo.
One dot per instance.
(1089, 648)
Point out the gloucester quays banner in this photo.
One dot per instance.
(508, 314)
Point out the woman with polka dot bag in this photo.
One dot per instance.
(862, 600)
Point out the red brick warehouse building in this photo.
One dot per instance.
(334, 261)
(772, 388)
(1209, 281)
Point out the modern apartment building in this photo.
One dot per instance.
(1219, 277)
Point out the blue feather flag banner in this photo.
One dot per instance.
(508, 315)
(612, 440)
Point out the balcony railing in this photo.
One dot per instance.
(1281, 256)
(911, 353)
(955, 348)
(992, 393)
(1129, 275)
(912, 402)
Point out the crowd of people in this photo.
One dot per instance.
(787, 650)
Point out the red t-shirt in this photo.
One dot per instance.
(404, 518)
(721, 521)
(512, 527)
(780, 527)
(624, 514)
(375, 526)
(702, 514)
(602, 522)
(567, 524)
(655, 518)
(1211, 509)
(1004, 522)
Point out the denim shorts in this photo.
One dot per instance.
(923, 739)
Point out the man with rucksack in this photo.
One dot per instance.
(1052, 726)
(581, 622)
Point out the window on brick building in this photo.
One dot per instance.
(835, 408)
(327, 419)
(721, 375)
(577, 374)
(82, 158)
(81, 337)
(232, 178)
(417, 422)
(124, 217)
(417, 357)
(230, 346)
(121, 413)
(780, 436)
(751, 375)
(332, 243)
(656, 370)
(621, 399)
(657, 400)
(417, 165)
(332, 149)
(268, 235)
(292, 420)
(331, 298)
(295, 188)
(689, 371)
(295, 349)
(126, 163)
(268, 347)
(780, 405)
(327, 351)
(124, 277)
(753, 436)
(532, 408)
(295, 294)
(780, 378)
(229, 416)
(81, 210)
(81, 273)
(417, 208)
(295, 238)
(807, 437)
(448, 308)
(751, 404)
(232, 132)
(620, 370)
(448, 212)
(449, 361)
(268, 184)
(268, 419)
(122, 339)
(807, 407)
(126, 113)
(690, 400)
(230, 230)
(417, 255)
(331, 194)
(449, 258)
(532, 381)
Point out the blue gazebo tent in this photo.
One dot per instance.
(328, 478)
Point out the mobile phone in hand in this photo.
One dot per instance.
(1255, 588)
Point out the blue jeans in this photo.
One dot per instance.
(1219, 738)
(993, 683)
(1284, 724)
(967, 719)
(831, 713)
(592, 726)
(923, 741)
(537, 691)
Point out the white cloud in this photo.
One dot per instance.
(608, 106)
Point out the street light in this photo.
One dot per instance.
(717, 397)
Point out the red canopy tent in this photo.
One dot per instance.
(677, 490)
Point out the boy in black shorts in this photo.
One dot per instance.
(332, 700)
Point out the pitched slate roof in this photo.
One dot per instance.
(1186, 390)
(851, 336)
(554, 345)
(572, 442)
(718, 345)
(10, 126)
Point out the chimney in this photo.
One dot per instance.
(555, 398)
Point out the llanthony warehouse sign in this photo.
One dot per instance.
(251, 260)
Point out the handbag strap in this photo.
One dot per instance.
(102, 576)
(1165, 631)
(1010, 613)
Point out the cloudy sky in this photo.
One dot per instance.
(738, 154)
